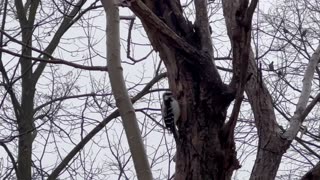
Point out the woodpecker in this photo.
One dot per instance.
(170, 112)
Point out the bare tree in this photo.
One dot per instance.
(45, 103)
(59, 116)
(207, 149)
(65, 105)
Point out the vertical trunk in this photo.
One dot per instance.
(25, 116)
(25, 119)
(120, 92)
(25, 151)
(203, 99)
(201, 154)
(202, 151)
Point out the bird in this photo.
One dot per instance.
(271, 66)
(170, 110)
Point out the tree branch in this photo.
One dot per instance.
(53, 60)
(296, 120)
(119, 90)
(148, 17)
(202, 25)
(55, 173)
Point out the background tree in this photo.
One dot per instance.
(29, 36)
(44, 103)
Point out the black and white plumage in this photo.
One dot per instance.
(170, 112)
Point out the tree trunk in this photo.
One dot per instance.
(25, 115)
(120, 92)
(313, 174)
(203, 149)
(203, 101)
(271, 146)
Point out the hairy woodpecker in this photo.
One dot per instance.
(170, 112)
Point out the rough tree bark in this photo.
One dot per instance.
(271, 146)
(273, 142)
(206, 147)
